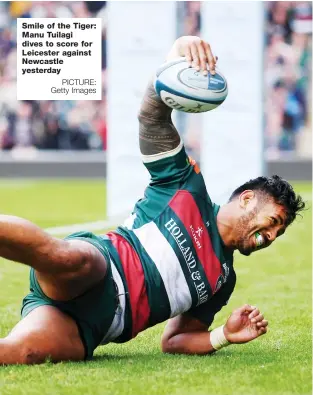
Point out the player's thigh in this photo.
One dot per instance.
(45, 333)
(86, 267)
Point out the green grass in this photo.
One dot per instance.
(54, 203)
(278, 280)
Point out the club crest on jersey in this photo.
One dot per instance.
(196, 234)
(199, 231)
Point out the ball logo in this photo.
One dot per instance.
(216, 82)
(174, 104)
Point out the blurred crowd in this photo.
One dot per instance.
(287, 78)
(68, 125)
(288, 71)
(80, 125)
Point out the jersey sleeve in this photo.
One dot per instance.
(168, 168)
(206, 312)
(169, 171)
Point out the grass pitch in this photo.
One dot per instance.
(277, 280)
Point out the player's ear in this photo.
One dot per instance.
(247, 199)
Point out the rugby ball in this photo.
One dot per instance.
(185, 89)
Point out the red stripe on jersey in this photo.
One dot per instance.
(185, 207)
(135, 279)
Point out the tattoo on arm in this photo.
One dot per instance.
(156, 131)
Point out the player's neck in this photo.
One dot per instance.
(226, 224)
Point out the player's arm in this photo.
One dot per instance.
(185, 334)
(157, 133)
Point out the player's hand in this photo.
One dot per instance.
(197, 52)
(245, 324)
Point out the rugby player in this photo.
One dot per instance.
(172, 259)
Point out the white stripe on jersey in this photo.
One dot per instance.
(129, 222)
(167, 263)
(162, 155)
(117, 325)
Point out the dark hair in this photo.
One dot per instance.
(280, 190)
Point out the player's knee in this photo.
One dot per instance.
(70, 256)
(73, 259)
(31, 356)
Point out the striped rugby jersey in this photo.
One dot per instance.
(168, 257)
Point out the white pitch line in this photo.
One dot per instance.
(12, 184)
(88, 226)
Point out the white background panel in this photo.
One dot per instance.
(232, 149)
(136, 47)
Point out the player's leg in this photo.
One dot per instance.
(45, 333)
(65, 268)
(85, 268)
(71, 275)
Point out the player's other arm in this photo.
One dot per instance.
(157, 133)
(187, 335)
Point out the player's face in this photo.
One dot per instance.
(259, 226)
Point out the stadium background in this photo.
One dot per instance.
(53, 169)
(27, 128)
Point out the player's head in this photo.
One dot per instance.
(266, 206)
